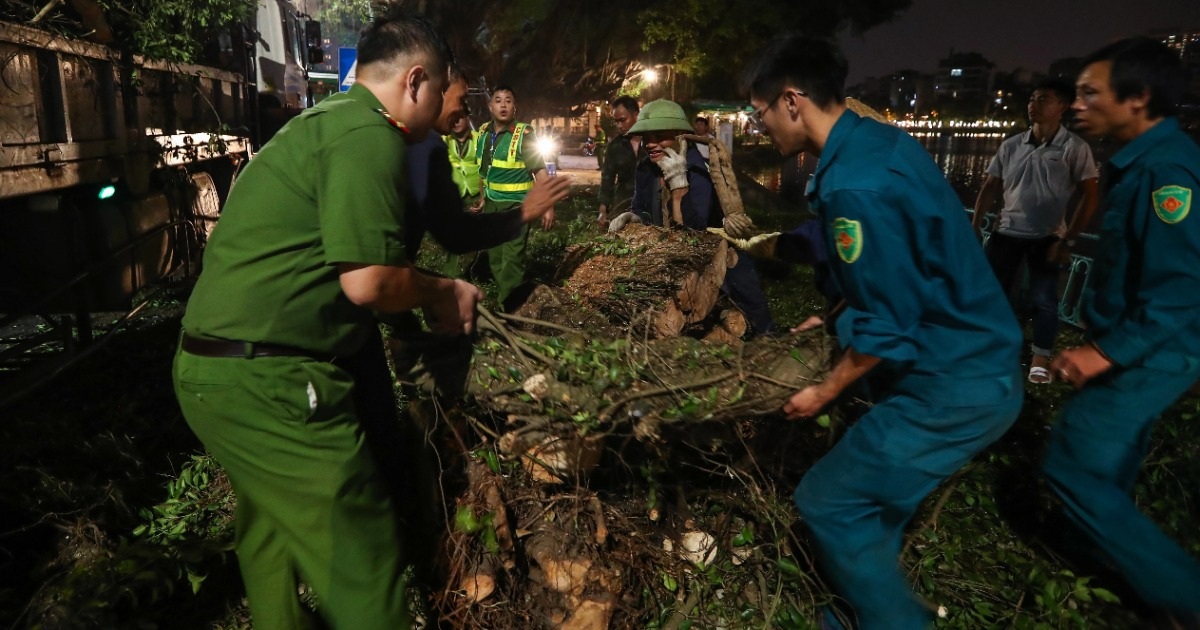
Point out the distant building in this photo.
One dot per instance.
(910, 92)
(962, 84)
(1187, 43)
(1010, 93)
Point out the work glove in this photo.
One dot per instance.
(622, 220)
(761, 246)
(739, 225)
(674, 169)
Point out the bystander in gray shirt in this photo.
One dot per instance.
(1039, 180)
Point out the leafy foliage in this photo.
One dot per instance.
(170, 30)
(558, 55)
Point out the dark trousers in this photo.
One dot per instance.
(1006, 253)
(745, 290)
(1095, 452)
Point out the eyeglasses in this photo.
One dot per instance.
(756, 117)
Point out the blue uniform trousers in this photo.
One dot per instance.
(745, 291)
(1096, 450)
(858, 498)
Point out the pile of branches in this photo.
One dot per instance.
(617, 458)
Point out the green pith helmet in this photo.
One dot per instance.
(661, 115)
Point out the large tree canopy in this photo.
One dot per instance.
(558, 55)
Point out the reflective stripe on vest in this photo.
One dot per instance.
(521, 187)
(464, 168)
(506, 180)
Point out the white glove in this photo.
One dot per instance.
(761, 246)
(674, 169)
(622, 220)
(739, 225)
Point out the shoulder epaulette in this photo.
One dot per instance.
(392, 121)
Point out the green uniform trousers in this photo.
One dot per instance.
(1096, 450)
(310, 504)
(507, 261)
(858, 499)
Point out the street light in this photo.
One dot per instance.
(651, 75)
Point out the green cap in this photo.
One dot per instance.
(661, 115)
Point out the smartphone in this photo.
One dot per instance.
(552, 169)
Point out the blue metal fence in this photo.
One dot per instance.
(1078, 272)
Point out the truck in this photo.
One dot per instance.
(114, 168)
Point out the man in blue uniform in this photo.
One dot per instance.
(692, 198)
(925, 323)
(1143, 319)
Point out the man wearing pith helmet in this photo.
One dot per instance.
(925, 324)
(674, 174)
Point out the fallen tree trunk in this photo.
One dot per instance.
(588, 406)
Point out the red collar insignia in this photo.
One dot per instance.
(392, 121)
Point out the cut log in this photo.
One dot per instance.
(657, 280)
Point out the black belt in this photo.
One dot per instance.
(244, 349)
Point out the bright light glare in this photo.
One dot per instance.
(547, 147)
(106, 192)
(651, 76)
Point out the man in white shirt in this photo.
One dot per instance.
(1043, 173)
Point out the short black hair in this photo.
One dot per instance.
(1059, 86)
(396, 32)
(702, 119)
(812, 65)
(504, 87)
(1141, 64)
(628, 102)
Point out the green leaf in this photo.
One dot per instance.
(195, 580)
(789, 567)
(669, 582)
(465, 521)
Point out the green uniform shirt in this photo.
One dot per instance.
(616, 178)
(507, 181)
(327, 189)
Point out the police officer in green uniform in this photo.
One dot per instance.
(925, 324)
(509, 162)
(1143, 319)
(601, 140)
(310, 243)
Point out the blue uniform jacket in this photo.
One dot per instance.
(919, 292)
(1145, 296)
(435, 206)
(700, 207)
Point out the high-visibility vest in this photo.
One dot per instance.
(506, 177)
(464, 163)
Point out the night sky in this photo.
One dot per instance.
(1008, 32)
